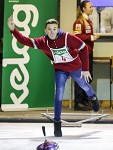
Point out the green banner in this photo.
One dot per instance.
(27, 74)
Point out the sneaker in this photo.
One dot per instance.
(82, 107)
(95, 103)
(57, 129)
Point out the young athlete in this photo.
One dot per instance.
(64, 50)
(83, 29)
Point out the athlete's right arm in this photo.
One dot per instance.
(22, 39)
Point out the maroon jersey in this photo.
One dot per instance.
(74, 45)
(84, 33)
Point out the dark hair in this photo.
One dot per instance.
(83, 5)
(80, 8)
(51, 21)
(80, 11)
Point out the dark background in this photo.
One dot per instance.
(1, 41)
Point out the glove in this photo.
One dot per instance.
(86, 75)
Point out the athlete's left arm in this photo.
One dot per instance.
(80, 46)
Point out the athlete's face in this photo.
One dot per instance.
(51, 30)
(88, 10)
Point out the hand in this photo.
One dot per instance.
(96, 36)
(10, 23)
(86, 75)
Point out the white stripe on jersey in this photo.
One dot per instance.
(82, 46)
(33, 41)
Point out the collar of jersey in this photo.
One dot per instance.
(85, 16)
